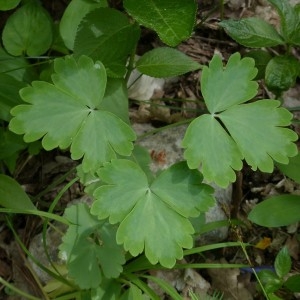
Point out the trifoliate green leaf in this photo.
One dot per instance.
(90, 248)
(252, 131)
(162, 16)
(69, 113)
(153, 216)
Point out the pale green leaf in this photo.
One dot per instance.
(223, 87)
(210, 146)
(8, 4)
(292, 168)
(28, 31)
(72, 17)
(68, 113)
(153, 216)
(173, 20)
(13, 196)
(90, 248)
(283, 262)
(258, 133)
(107, 35)
(252, 131)
(283, 210)
(252, 32)
(166, 62)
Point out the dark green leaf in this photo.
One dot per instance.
(166, 62)
(72, 17)
(289, 19)
(281, 73)
(252, 32)
(283, 262)
(293, 283)
(8, 4)
(17, 67)
(292, 168)
(107, 35)
(28, 31)
(261, 58)
(12, 195)
(282, 210)
(9, 95)
(173, 20)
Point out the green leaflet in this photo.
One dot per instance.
(166, 62)
(255, 130)
(162, 16)
(69, 113)
(90, 248)
(153, 216)
(252, 32)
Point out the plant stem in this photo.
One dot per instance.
(17, 291)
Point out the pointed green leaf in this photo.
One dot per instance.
(208, 144)
(283, 210)
(162, 16)
(28, 30)
(220, 151)
(90, 248)
(265, 139)
(252, 32)
(289, 19)
(72, 17)
(293, 283)
(107, 35)
(153, 216)
(7, 5)
(223, 87)
(68, 113)
(283, 262)
(281, 73)
(166, 62)
(270, 281)
(12, 195)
